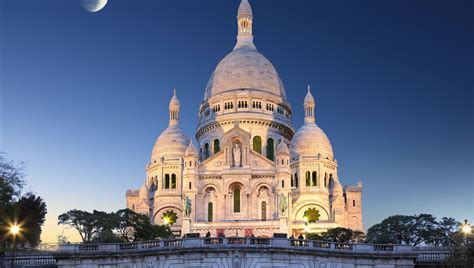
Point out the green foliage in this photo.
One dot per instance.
(312, 214)
(338, 234)
(413, 230)
(26, 210)
(314, 236)
(462, 250)
(124, 225)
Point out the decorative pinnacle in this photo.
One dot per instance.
(309, 88)
(174, 91)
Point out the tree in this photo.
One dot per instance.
(462, 251)
(26, 210)
(84, 222)
(447, 229)
(338, 234)
(30, 210)
(413, 230)
(103, 227)
(358, 237)
(133, 227)
(11, 181)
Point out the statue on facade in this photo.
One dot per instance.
(187, 206)
(283, 203)
(237, 154)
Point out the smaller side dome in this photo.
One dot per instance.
(283, 148)
(191, 150)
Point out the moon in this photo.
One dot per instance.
(93, 5)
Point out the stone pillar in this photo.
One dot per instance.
(186, 227)
(284, 224)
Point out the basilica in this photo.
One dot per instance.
(249, 173)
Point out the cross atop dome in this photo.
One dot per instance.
(244, 25)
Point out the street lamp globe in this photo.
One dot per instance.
(14, 229)
(466, 228)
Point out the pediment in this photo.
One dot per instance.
(258, 161)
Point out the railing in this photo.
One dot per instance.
(424, 254)
(433, 256)
(383, 247)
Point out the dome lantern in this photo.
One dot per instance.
(244, 26)
(174, 109)
(309, 107)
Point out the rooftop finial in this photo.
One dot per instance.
(174, 91)
(309, 88)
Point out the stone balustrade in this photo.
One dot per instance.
(214, 242)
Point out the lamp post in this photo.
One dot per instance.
(14, 230)
(466, 230)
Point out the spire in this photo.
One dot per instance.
(309, 107)
(244, 26)
(174, 109)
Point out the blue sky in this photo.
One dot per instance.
(83, 96)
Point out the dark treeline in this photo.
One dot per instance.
(124, 225)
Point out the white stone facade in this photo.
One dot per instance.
(252, 174)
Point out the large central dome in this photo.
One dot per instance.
(245, 67)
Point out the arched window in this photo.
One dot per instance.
(236, 199)
(271, 149)
(331, 181)
(167, 181)
(206, 150)
(257, 144)
(264, 211)
(217, 146)
(314, 179)
(308, 178)
(291, 182)
(209, 211)
(173, 181)
(325, 180)
(282, 183)
(190, 185)
(296, 180)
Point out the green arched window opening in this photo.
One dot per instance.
(314, 179)
(173, 181)
(217, 146)
(210, 211)
(257, 144)
(308, 178)
(271, 149)
(167, 181)
(236, 199)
